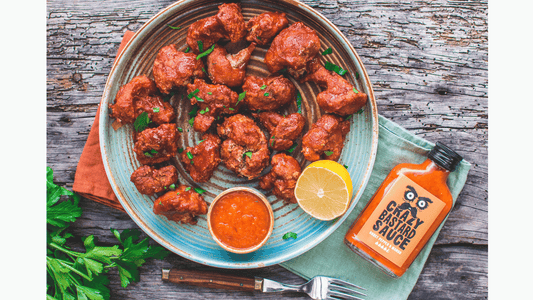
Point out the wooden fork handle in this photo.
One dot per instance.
(212, 279)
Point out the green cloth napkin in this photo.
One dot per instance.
(332, 258)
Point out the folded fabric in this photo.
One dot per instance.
(332, 258)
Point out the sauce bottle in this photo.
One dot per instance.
(404, 212)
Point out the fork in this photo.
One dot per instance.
(319, 288)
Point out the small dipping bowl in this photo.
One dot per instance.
(240, 220)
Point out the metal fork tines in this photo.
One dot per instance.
(319, 288)
(339, 289)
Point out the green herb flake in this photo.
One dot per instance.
(142, 121)
(153, 151)
(180, 150)
(187, 188)
(148, 154)
(200, 47)
(263, 87)
(193, 93)
(272, 144)
(167, 97)
(328, 153)
(209, 93)
(174, 27)
(348, 117)
(333, 67)
(360, 111)
(355, 91)
(207, 52)
(231, 109)
(199, 190)
(356, 75)
(327, 51)
(188, 49)
(189, 155)
(291, 149)
(266, 94)
(299, 101)
(177, 193)
(202, 112)
(346, 167)
(241, 96)
(191, 121)
(160, 203)
(247, 153)
(289, 235)
(199, 142)
(180, 129)
(172, 186)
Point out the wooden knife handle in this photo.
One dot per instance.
(212, 279)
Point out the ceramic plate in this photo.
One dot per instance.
(193, 241)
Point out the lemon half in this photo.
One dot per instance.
(324, 190)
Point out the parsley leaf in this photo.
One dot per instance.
(289, 235)
(263, 87)
(189, 155)
(173, 27)
(333, 67)
(292, 147)
(206, 52)
(355, 91)
(187, 188)
(241, 96)
(200, 47)
(193, 93)
(199, 190)
(327, 51)
(328, 153)
(142, 122)
(247, 153)
(299, 101)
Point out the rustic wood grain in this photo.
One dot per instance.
(427, 61)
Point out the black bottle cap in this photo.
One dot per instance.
(445, 157)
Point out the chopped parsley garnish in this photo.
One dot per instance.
(204, 111)
(241, 96)
(200, 47)
(148, 154)
(199, 190)
(172, 186)
(177, 193)
(231, 108)
(199, 142)
(346, 167)
(189, 155)
(333, 67)
(348, 117)
(355, 91)
(299, 101)
(209, 93)
(160, 203)
(142, 122)
(156, 109)
(198, 99)
(356, 75)
(174, 27)
(247, 153)
(328, 153)
(263, 87)
(193, 111)
(180, 129)
(187, 188)
(203, 69)
(153, 151)
(272, 138)
(180, 150)
(327, 51)
(266, 94)
(289, 235)
(188, 49)
(193, 93)
(191, 121)
(360, 111)
(207, 52)
(292, 147)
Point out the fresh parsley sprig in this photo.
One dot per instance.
(82, 274)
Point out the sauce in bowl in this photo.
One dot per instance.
(240, 220)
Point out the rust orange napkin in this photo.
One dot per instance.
(91, 180)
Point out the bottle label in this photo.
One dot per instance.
(400, 220)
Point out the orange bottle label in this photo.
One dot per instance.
(401, 219)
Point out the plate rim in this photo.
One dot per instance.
(104, 123)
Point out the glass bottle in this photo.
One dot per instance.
(405, 211)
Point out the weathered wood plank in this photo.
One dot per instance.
(427, 61)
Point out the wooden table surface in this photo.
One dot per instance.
(427, 61)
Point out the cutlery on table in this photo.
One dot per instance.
(320, 287)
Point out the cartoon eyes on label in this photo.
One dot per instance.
(410, 194)
(423, 202)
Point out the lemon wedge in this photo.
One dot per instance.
(324, 190)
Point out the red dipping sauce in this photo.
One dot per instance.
(240, 220)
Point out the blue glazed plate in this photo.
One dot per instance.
(194, 241)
